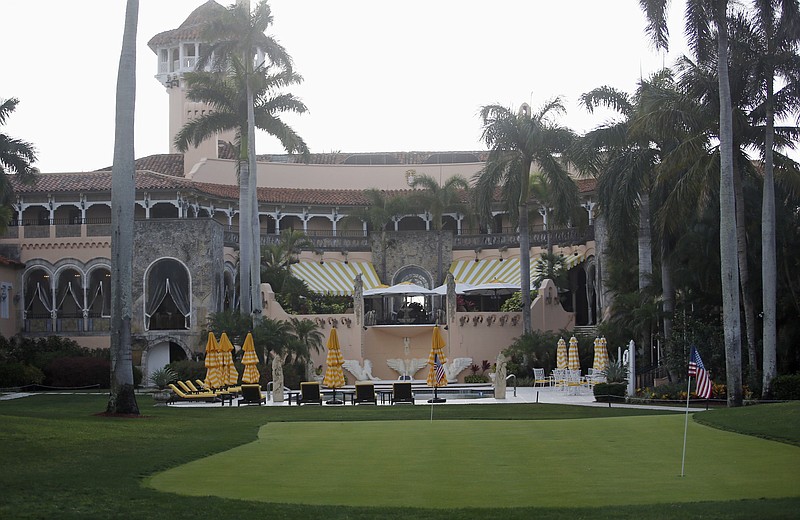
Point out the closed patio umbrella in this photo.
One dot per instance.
(600, 355)
(561, 354)
(574, 362)
(436, 360)
(230, 376)
(213, 376)
(250, 373)
(334, 376)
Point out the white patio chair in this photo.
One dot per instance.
(540, 379)
(574, 382)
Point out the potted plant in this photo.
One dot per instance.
(613, 390)
(161, 378)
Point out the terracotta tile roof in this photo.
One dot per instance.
(166, 163)
(94, 182)
(10, 262)
(191, 27)
(586, 185)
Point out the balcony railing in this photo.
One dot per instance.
(324, 242)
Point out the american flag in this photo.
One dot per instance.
(438, 368)
(698, 370)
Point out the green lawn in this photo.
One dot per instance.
(61, 461)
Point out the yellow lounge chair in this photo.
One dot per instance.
(202, 396)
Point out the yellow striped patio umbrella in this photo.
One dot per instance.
(574, 362)
(334, 376)
(600, 355)
(436, 374)
(561, 354)
(250, 374)
(229, 374)
(213, 379)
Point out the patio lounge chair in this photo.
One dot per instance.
(251, 394)
(401, 393)
(192, 386)
(309, 393)
(202, 396)
(365, 394)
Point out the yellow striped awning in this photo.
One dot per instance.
(506, 270)
(334, 277)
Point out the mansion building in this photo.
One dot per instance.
(55, 254)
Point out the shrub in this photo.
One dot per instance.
(476, 378)
(609, 392)
(786, 387)
(616, 372)
(162, 377)
(19, 374)
(188, 369)
(79, 372)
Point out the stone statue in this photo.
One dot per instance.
(358, 299)
(277, 379)
(500, 377)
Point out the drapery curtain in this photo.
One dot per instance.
(42, 295)
(181, 300)
(159, 292)
(68, 292)
(104, 313)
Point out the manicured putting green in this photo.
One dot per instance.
(586, 462)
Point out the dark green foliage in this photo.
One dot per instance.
(77, 372)
(610, 392)
(34, 357)
(706, 335)
(476, 378)
(537, 349)
(19, 374)
(188, 369)
(786, 387)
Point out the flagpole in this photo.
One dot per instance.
(686, 423)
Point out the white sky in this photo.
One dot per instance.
(379, 75)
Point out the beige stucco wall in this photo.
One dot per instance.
(10, 274)
(329, 176)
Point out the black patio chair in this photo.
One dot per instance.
(402, 394)
(309, 393)
(365, 394)
(251, 394)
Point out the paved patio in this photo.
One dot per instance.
(524, 395)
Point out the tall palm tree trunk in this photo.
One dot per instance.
(245, 233)
(769, 269)
(727, 229)
(255, 223)
(525, 266)
(645, 250)
(122, 399)
(744, 279)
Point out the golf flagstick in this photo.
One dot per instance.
(686, 423)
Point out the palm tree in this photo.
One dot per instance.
(16, 158)
(777, 24)
(437, 199)
(225, 95)
(516, 142)
(702, 17)
(238, 44)
(381, 209)
(121, 398)
(626, 156)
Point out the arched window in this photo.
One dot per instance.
(38, 294)
(69, 294)
(99, 294)
(168, 304)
